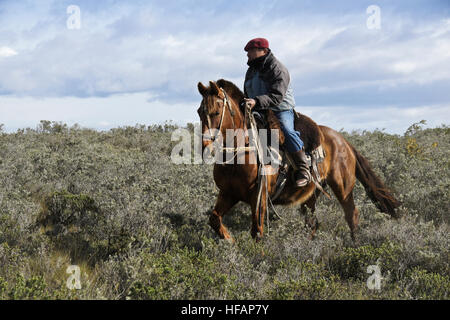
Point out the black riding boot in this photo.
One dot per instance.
(302, 175)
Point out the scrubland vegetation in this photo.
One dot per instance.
(136, 224)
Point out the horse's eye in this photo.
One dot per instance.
(216, 113)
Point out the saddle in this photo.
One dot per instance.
(309, 130)
(310, 135)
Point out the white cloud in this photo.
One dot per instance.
(100, 113)
(104, 124)
(404, 67)
(7, 52)
(392, 119)
(132, 51)
(125, 49)
(131, 109)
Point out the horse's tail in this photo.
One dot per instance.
(375, 188)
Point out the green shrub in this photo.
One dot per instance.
(420, 284)
(28, 289)
(113, 203)
(353, 262)
(75, 223)
(181, 274)
(3, 288)
(310, 281)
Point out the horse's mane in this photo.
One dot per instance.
(232, 90)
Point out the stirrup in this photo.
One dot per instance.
(306, 180)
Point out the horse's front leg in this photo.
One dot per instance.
(223, 204)
(259, 209)
(310, 222)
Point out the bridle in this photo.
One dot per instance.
(226, 104)
(236, 149)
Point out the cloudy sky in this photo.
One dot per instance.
(140, 61)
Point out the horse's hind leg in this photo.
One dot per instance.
(311, 222)
(343, 189)
(351, 213)
(223, 205)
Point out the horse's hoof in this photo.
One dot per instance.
(355, 240)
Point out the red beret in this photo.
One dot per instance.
(257, 43)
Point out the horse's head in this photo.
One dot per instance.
(213, 112)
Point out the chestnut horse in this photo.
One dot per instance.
(341, 167)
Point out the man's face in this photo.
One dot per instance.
(254, 53)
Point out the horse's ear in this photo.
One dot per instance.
(202, 89)
(215, 88)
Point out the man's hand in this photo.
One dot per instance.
(250, 102)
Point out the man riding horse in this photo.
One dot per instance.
(267, 86)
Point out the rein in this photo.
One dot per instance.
(262, 178)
